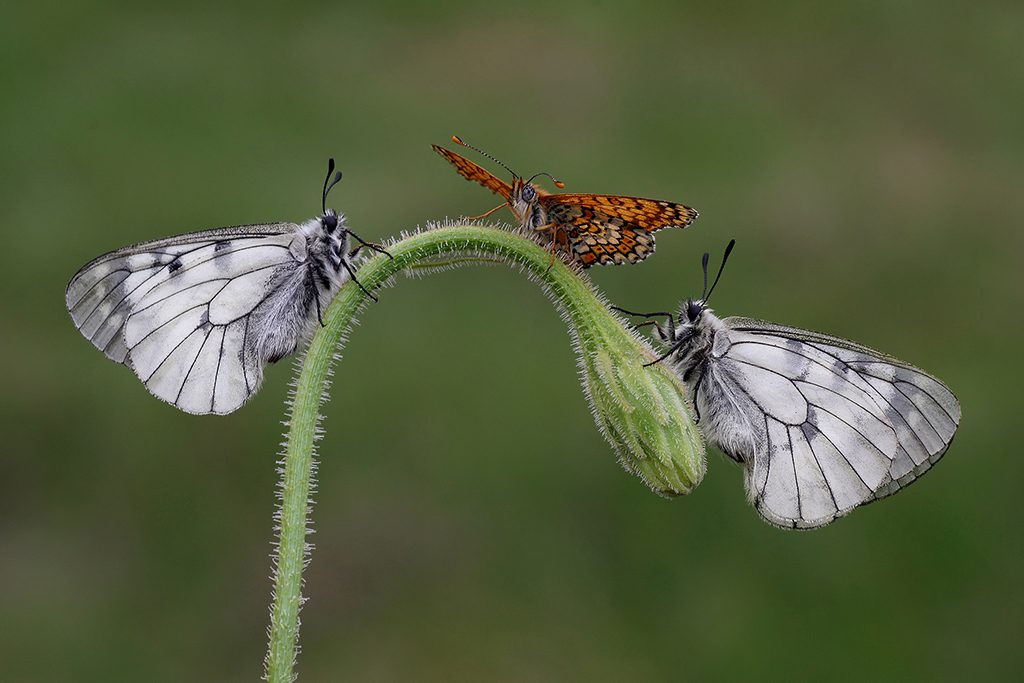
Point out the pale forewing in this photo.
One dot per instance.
(169, 310)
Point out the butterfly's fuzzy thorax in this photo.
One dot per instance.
(692, 339)
(327, 244)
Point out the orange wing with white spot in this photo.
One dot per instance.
(470, 171)
(609, 229)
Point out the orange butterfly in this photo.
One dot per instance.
(590, 228)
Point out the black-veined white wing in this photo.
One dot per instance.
(843, 424)
(922, 410)
(178, 311)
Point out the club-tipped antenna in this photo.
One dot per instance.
(725, 257)
(328, 183)
(704, 267)
(558, 183)
(458, 141)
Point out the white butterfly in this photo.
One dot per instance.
(820, 424)
(198, 316)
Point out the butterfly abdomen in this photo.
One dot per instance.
(723, 407)
(283, 319)
(726, 412)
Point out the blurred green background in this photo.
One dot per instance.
(471, 523)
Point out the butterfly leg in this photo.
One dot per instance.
(696, 395)
(551, 261)
(656, 314)
(557, 235)
(675, 347)
(484, 215)
(316, 298)
(670, 321)
(549, 227)
(360, 284)
(567, 246)
(363, 243)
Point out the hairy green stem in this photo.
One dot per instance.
(640, 410)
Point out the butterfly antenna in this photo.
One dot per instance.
(458, 141)
(558, 183)
(704, 267)
(725, 257)
(328, 183)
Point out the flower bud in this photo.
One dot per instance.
(642, 411)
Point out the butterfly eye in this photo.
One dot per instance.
(528, 193)
(693, 310)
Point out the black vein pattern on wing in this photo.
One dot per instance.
(845, 459)
(216, 375)
(823, 342)
(810, 359)
(157, 271)
(97, 284)
(875, 358)
(855, 431)
(862, 367)
(768, 453)
(796, 479)
(885, 361)
(897, 386)
(247, 317)
(170, 320)
(919, 388)
(206, 237)
(796, 384)
(222, 254)
(126, 254)
(227, 281)
(917, 383)
(193, 365)
(809, 423)
(176, 346)
(157, 268)
(245, 343)
(817, 462)
(824, 476)
(903, 420)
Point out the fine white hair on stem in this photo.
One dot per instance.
(641, 410)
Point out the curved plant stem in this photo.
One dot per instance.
(640, 410)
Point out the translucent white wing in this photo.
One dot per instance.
(177, 311)
(922, 410)
(843, 424)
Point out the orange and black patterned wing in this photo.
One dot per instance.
(597, 239)
(647, 214)
(470, 171)
(610, 230)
